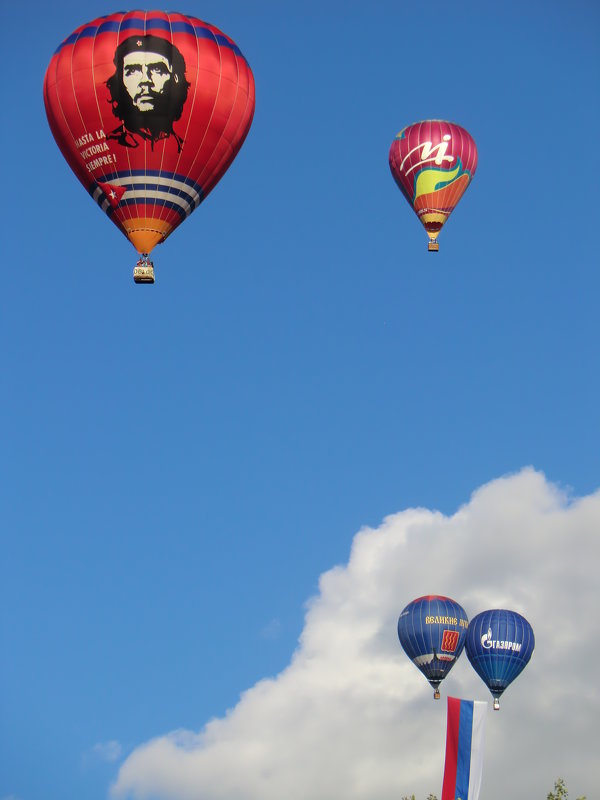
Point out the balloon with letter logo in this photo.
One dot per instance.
(432, 631)
(433, 162)
(149, 109)
(499, 646)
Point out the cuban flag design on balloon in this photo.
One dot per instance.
(464, 749)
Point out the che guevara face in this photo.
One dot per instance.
(147, 77)
(148, 90)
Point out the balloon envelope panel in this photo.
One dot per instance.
(499, 645)
(432, 631)
(149, 109)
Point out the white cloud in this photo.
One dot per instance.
(352, 718)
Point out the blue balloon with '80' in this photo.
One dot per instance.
(432, 631)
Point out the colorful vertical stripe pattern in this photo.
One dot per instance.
(464, 749)
(148, 180)
(432, 163)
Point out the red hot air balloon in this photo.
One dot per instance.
(433, 162)
(149, 109)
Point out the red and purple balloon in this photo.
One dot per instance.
(433, 162)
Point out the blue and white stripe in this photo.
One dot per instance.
(165, 189)
(469, 767)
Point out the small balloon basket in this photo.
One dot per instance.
(143, 272)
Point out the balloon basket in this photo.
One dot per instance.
(436, 694)
(496, 704)
(433, 247)
(143, 272)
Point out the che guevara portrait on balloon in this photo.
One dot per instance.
(147, 90)
(149, 109)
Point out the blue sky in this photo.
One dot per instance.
(183, 464)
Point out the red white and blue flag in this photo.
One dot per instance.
(464, 749)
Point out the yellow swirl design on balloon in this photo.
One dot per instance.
(430, 180)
